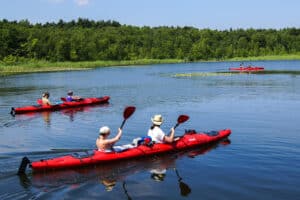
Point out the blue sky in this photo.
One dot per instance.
(213, 14)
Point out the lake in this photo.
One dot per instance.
(261, 160)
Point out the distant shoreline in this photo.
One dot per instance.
(46, 66)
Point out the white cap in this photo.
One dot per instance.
(104, 130)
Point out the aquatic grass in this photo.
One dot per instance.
(203, 74)
(39, 66)
(46, 66)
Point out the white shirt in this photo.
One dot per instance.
(156, 134)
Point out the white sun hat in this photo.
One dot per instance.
(157, 120)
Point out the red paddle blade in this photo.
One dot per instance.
(182, 118)
(128, 112)
(63, 99)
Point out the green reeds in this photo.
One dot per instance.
(46, 66)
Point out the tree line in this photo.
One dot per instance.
(88, 40)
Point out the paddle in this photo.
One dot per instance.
(126, 114)
(181, 119)
(185, 190)
(126, 192)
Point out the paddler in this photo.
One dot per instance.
(71, 97)
(157, 134)
(103, 143)
(45, 98)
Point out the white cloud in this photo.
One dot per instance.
(82, 2)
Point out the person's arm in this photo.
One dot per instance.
(116, 138)
(170, 138)
(76, 98)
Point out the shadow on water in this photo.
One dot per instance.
(109, 175)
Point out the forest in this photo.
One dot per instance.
(89, 40)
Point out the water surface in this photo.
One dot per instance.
(262, 110)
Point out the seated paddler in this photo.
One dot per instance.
(104, 143)
(45, 99)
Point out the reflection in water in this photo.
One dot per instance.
(24, 181)
(46, 115)
(158, 174)
(125, 191)
(71, 112)
(109, 184)
(26, 117)
(109, 175)
(184, 188)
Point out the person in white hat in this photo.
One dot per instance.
(103, 143)
(157, 135)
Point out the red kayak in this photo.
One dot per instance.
(189, 140)
(247, 69)
(64, 105)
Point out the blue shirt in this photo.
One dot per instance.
(69, 98)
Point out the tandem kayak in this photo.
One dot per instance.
(64, 105)
(119, 171)
(247, 69)
(190, 139)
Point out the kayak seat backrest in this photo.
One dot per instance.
(83, 154)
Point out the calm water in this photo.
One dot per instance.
(261, 162)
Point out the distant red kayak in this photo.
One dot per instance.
(246, 69)
(40, 108)
(189, 140)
